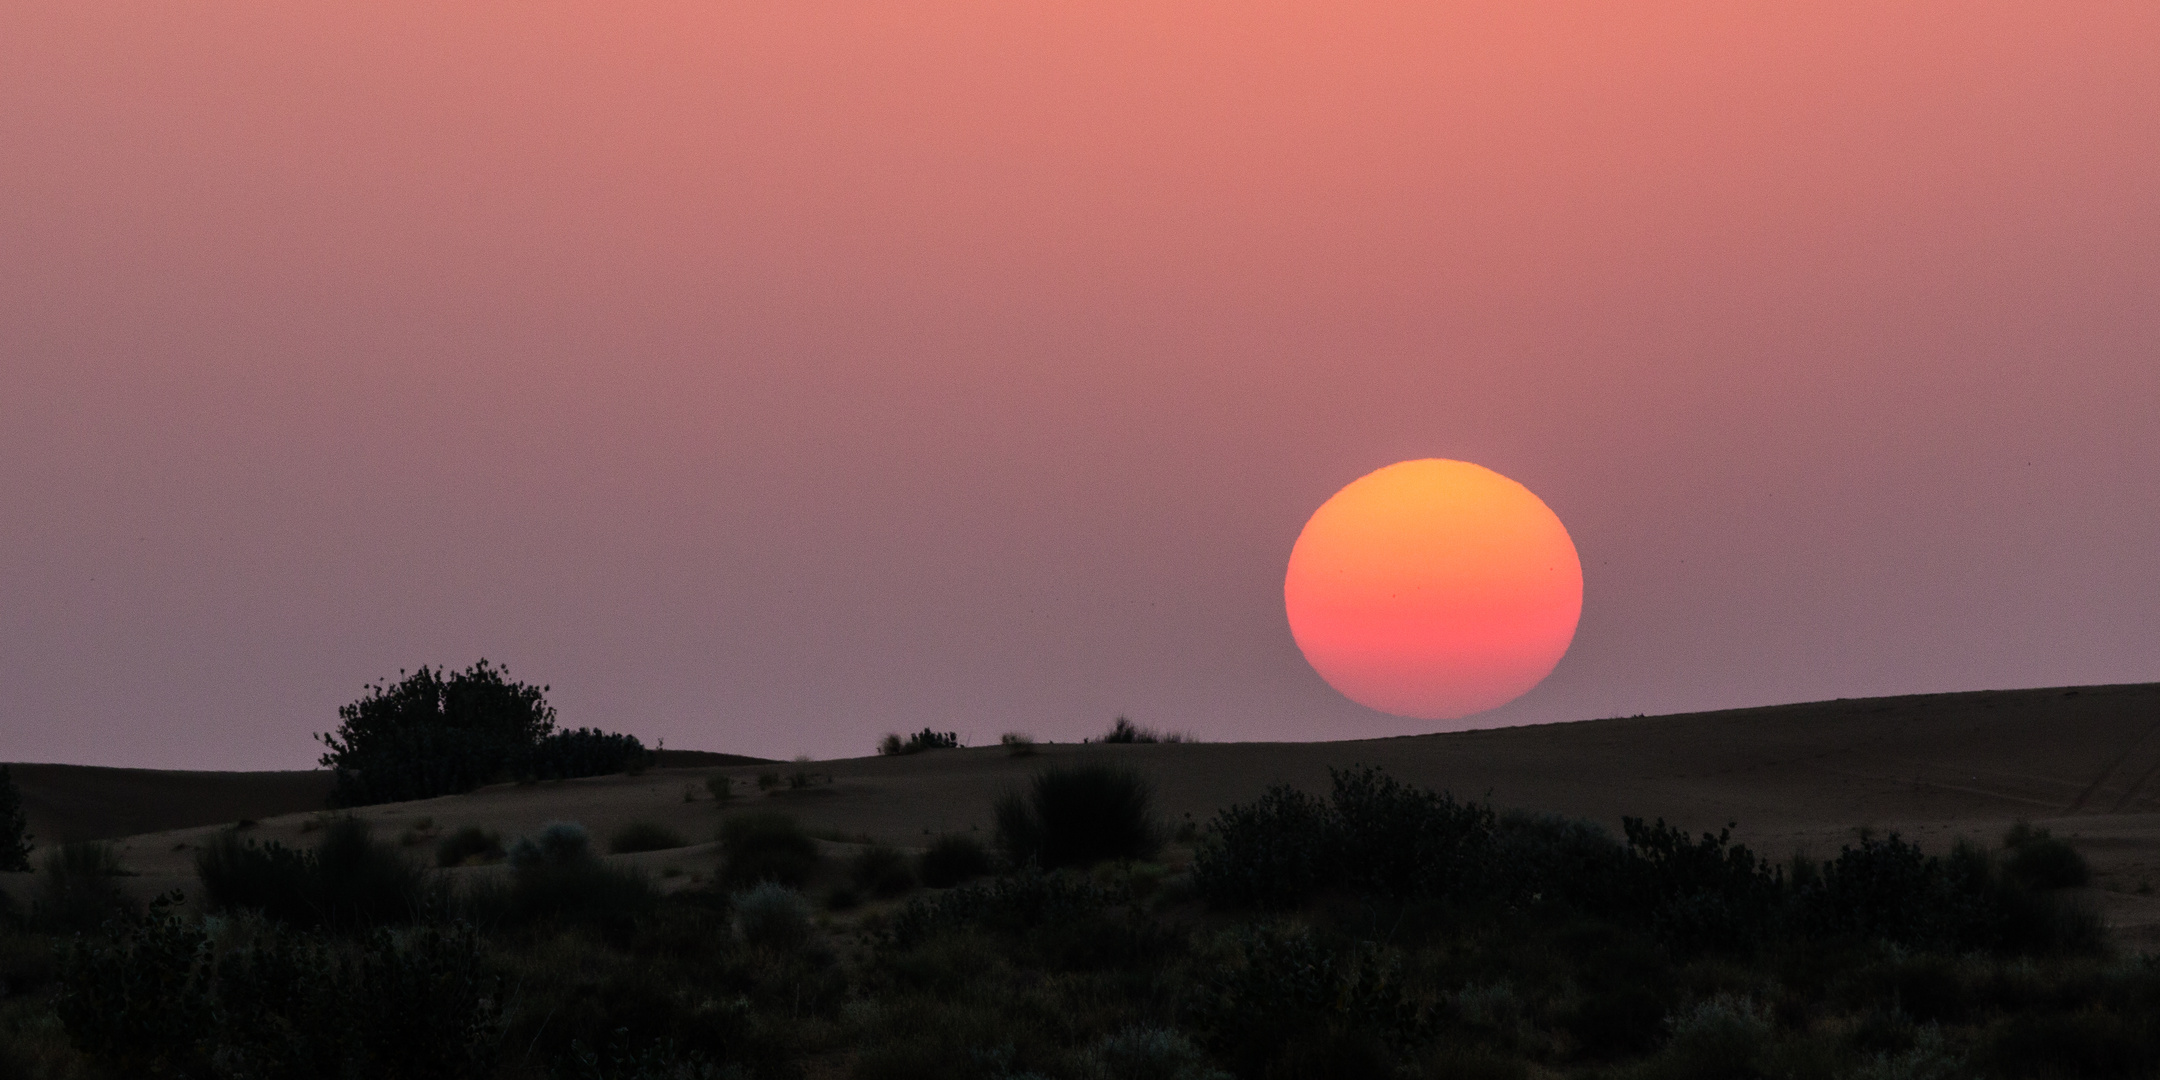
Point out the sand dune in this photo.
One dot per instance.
(2083, 761)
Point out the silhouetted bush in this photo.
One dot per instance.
(954, 858)
(14, 830)
(1703, 893)
(1020, 903)
(720, 787)
(881, 871)
(1017, 743)
(765, 847)
(2036, 860)
(79, 888)
(159, 1000)
(471, 844)
(926, 739)
(348, 882)
(1079, 815)
(1374, 834)
(643, 836)
(436, 734)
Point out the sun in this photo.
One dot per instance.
(1433, 589)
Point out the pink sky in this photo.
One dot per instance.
(765, 377)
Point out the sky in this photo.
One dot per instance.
(763, 377)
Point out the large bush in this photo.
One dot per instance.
(440, 733)
(1079, 815)
(14, 831)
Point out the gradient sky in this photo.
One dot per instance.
(768, 376)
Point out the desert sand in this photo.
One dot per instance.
(2083, 762)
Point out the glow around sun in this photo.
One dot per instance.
(1433, 589)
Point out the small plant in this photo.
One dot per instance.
(1078, 816)
(1017, 744)
(1125, 731)
(952, 860)
(14, 831)
(557, 878)
(766, 781)
(643, 836)
(772, 916)
(469, 846)
(77, 889)
(881, 871)
(558, 843)
(800, 779)
(1147, 1053)
(720, 788)
(766, 847)
(2037, 860)
(926, 739)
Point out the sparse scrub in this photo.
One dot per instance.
(348, 882)
(2034, 859)
(78, 888)
(643, 836)
(772, 916)
(766, 847)
(881, 871)
(720, 788)
(556, 878)
(1123, 730)
(1079, 815)
(893, 745)
(953, 859)
(469, 846)
(1147, 1053)
(1017, 744)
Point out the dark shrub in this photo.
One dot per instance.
(953, 859)
(1708, 892)
(1079, 815)
(766, 847)
(557, 879)
(2087, 1043)
(1374, 835)
(643, 836)
(471, 844)
(881, 871)
(1125, 731)
(14, 831)
(720, 787)
(159, 1001)
(1280, 992)
(438, 734)
(925, 739)
(2037, 860)
(79, 888)
(1017, 904)
(348, 882)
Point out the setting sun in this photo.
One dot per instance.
(1433, 589)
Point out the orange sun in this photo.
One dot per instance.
(1433, 589)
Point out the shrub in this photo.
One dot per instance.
(158, 1000)
(471, 844)
(925, 739)
(347, 882)
(766, 847)
(1721, 1037)
(643, 836)
(952, 859)
(14, 830)
(1019, 904)
(720, 787)
(1079, 815)
(1017, 743)
(438, 733)
(2037, 860)
(1373, 835)
(1147, 1053)
(79, 889)
(1700, 893)
(881, 871)
(556, 878)
(1125, 731)
(771, 915)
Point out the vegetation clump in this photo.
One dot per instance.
(15, 838)
(1123, 730)
(892, 745)
(953, 859)
(1079, 815)
(348, 882)
(2038, 860)
(882, 871)
(469, 846)
(762, 847)
(440, 733)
